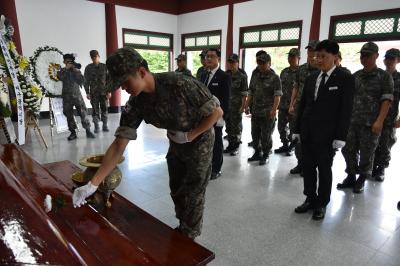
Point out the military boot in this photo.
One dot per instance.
(72, 136)
(256, 156)
(230, 147)
(264, 158)
(283, 149)
(96, 128)
(296, 170)
(105, 128)
(348, 182)
(235, 149)
(379, 174)
(359, 185)
(89, 134)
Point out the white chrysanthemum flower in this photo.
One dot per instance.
(44, 59)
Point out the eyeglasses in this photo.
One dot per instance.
(211, 56)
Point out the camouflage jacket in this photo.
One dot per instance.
(394, 109)
(95, 79)
(72, 81)
(304, 71)
(179, 103)
(288, 79)
(239, 89)
(263, 89)
(370, 90)
(184, 72)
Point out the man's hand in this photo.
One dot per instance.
(178, 136)
(272, 114)
(397, 124)
(108, 95)
(81, 193)
(291, 110)
(338, 144)
(377, 127)
(296, 137)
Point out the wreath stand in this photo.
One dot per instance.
(31, 122)
(4, 129)
(53, 121)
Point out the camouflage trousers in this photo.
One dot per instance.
(359, 150)
(262, 129)
(99, 108)
(189, 167)
(386, 142)
(68, 110)
(234, 127)
(284, 126)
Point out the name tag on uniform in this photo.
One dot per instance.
(333, 88)
(214, 84)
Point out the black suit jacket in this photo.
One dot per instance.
(220, 87)
(328, 117)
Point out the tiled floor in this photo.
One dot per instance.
(249, 218)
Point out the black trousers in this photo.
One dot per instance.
(317, 155)
(218, 150)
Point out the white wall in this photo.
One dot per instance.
(73, 26)
(132, 18)
(260, 12)
(342, 7)
(206, 20)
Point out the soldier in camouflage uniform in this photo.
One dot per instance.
(72, 79)
(372, 98)
(388, 135)
(264, 95)
(95, 81)
(182, 68)
(237, 103)
(304, 71)
(201, 72)
(175, 102)
(338, 63)
(288, 79)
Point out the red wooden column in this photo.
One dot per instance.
(7, 8)
(229, 34)
(315, 20)
(112, 45)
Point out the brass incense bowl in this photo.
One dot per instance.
(109, 184)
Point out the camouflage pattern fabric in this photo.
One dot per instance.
(71, 95)
(184, 72)
(200, 72)
(95, 82)
(239, 90)
(262, 129)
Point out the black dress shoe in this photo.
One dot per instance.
(282, 149)
(398, 205)
(359, 185)
(263, 160)
(72, 136)
(256, 157)
(319, 213)
(215, 175)
(296, 170)
(348, 182)
(307, 205)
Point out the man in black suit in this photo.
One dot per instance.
(322, 124)
(219, 84)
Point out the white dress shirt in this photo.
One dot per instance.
(319, 79)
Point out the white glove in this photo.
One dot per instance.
(296, 137)
(177, 136)
(81, 193)
(47, 203)
(338, 144)
(220, 122)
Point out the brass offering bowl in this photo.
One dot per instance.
(109, 184)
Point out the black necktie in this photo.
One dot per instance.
(207, 77)
(321, 85)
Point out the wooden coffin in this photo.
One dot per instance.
(121, 235)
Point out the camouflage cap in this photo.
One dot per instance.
(233, 58)
(369, 48)
(312, 44)
(392, 53)
(181, 57)
(294, 52)
(264, 57)
(120, 65)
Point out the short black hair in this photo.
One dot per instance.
(329, 46)
(261, 52)
(217, 51)
(145, 65)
